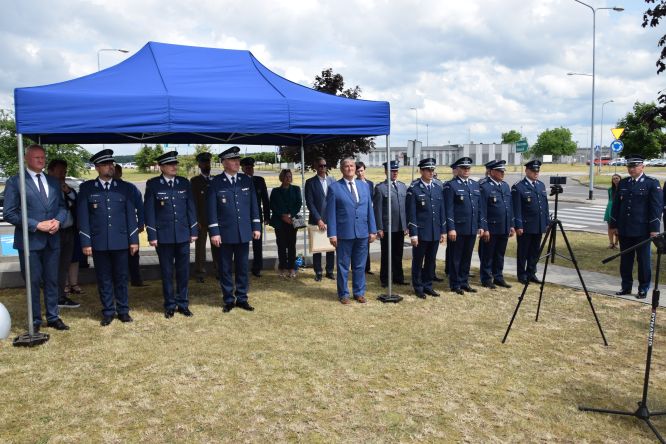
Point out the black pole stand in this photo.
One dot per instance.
(389, 296)
(643, 412)
(550, 238)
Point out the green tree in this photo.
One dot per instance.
(75, 155)
(512, 136)
(640, 136)
(333, 151)
(202, 148)
(146, 156)
(556, 141)
(651, 18)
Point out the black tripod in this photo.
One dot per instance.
(550, 237)
(643, 413)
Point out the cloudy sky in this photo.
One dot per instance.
(472, 68)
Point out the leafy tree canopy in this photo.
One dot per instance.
(512, 136)
(146, 156)
(334, 151)
(640, 136)
(651, 18)
(556, 141)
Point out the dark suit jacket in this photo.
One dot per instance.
(38, 211)
(262, 197)
(315, 199)
(199, 190)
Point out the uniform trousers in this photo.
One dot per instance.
(330, 262)
(134, 268)
(460, 260)
(491, 254)
(354, 253)
(527, 255)
(424, 256)
(258, 254)
(111, 269)
(642, 255)
(42, 269)
(200, 254)
(285, 237)
(178, 256)
(397, 249)
(67, 237)
(234, 257)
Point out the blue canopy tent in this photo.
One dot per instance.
(183, 94)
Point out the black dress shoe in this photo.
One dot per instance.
(57, 324)
(535, 280)
(370, 272)
(401, 283)
(458, 290)
(420, 295)
(168, 314)
(435, 278)
(317, 277)
(622, 292)
(227, 308)
(330, 276)
(184, 311)
(245, 306)
(523, 281)
(125, 317)
(468, 289)
(431, 292)
(641, 295)
(200, 280)
(489, 285)
(256, 274)
(106, 320)
(502, 283)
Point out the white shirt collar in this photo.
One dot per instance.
(229, 176)
(101, 182)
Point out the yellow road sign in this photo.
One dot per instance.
(617, 132)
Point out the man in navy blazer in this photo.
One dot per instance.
(351, 225)
(46, 213)
(316, 189)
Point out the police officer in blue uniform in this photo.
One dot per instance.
(171, 225)
(426, 220)
(497, 210)
(530, 217)
(107, 229)
(233, 221)
(464, 222)
(635, 216)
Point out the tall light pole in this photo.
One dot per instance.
(416, 111)
(99, 51)
(601, 130)
(594, 63)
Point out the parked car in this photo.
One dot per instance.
(618, 162)
(73, 182)
(655, 162)
(605, 160)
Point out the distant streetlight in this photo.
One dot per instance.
(416, 111)
(124, 51)
(594, 63)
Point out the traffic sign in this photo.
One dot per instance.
(617, 146)
(617, 132)
(597, 148)
(521, 146)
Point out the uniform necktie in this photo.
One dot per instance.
(394, 186)
(106, 186)
(42, 190)
(353, 191)
(170, 183)
(233, 181)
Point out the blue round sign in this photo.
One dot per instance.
(617, 146)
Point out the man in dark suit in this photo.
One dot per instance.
(530, 215)
(360, 175)
(637, 206)
(233, 220)
(398, 192)
(247, 163)
(108, 229)
(497, 210)
(133, 259)
(316, 189)
(200, 186)
(351, 226)
(172, 225)
(46, 213)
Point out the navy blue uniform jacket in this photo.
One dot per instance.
(233, 212)
(170, 214)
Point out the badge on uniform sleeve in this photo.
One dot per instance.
(529, 199)
(462, 198)
(494, 199)
(224, 200)
(161, 202)
(94, 205)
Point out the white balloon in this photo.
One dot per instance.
(5, 322)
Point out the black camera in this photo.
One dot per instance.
(558, 180)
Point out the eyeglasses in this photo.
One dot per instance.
(322, 166)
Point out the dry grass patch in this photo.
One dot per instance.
(302, 367)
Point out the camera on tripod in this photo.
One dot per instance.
(556, 183)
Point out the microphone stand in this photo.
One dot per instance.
(643, 412)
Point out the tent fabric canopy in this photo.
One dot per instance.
(183, 94)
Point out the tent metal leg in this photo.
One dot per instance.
(305, 232)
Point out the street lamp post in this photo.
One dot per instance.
(99, 51)
(413, 159)
(594, 62)
(601, 131)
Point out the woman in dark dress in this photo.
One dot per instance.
(612, 238)
(285, 203)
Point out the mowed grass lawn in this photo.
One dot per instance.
(303, 367)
